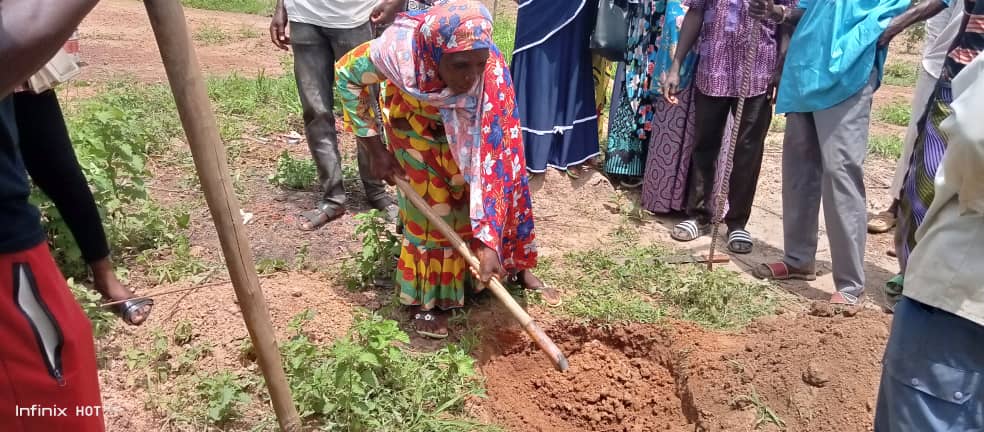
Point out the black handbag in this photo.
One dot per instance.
(610, 38)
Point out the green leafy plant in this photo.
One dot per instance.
(101, 318)
(914, 37)
(256, 7)
(376, 260)
(367, 382)
(211, 34)
(903, 74)
(270, 266)
(897, 113)
(294, 173)
(173, 263)
(224, 394)
(886, 146)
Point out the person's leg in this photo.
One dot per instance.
(48, 359)
(51, 162)
(885, 220)
(712, 115)
(843, 135)
(802, 172)
(931, 383)
(343, 41)
(753, 127)
(314, 69)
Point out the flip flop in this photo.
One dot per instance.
(318, 217)
(844, 299)
(428, 317)
(689, 230)
(779, 271)
(740, 242)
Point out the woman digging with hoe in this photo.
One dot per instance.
(454, 135)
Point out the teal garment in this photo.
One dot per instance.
(672, 23)
(832, 52)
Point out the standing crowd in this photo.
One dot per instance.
(432, 100)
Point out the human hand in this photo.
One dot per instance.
(385, 12)
(489, 266)
(894, 28)
(670, 85)
(278, 27)
(761, 9)
(382, 164)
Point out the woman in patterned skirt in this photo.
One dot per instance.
(453, 133)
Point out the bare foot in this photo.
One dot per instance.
(110, 287)
(528, 280)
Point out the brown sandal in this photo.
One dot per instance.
(430, 324)
(780, 271)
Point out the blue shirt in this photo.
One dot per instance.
(833, 51)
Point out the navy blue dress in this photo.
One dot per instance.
(554, 86)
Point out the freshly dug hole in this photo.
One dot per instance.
(620, 379)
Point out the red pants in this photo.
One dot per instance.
(48, 379)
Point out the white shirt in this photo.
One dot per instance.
(946, 269)
(941, 30)
(336, 14)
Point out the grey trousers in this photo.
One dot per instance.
(315, 51)
(822, 158)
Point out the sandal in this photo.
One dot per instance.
(779, 271)
(844, 298)
(740, 241)
(318, 217)
(882, 222)
(127, 309)
(689, 230)
(430, 324)
(631, 182)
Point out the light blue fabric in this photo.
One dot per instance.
(672, 23)
(832, 52)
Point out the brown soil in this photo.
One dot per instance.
(816, 374)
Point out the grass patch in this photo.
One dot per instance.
(902, 74)
(504, 36)
(896, 113)
(778, 124)
(298, 174)
(255, 7)
(630, 283)
(260, 105)
(210, 34)
(101, 318)
(886, 146)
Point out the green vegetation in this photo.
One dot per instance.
(255, 7)
(504, 36)
(626, 282)
(896, 113)
(210, 34)
(778, 124)
(224, 394)
(765, 413)
(914, 37)
(886, 146)
(377, 258)
(102, 319)
(903, 74)
(366, 382)
(294, 173)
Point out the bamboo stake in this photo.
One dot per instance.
(495, 285)
(188, 86)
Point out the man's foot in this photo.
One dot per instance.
(551, 296)
(883, 222)
(317, 218)
(780, 271)
(107, 284)
(430, 323)
(689, 230)
(388, 206)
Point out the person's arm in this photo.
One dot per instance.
(781, 14)
(354, 75)
(385, 12)
(783, 35)
(278, 26)
(31, 32)
(689, 32)
(922, 11)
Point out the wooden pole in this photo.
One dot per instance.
(188, 86)
(500, 292)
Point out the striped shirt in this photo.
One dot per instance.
(969, 42)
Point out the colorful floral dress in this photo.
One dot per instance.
(430, 273)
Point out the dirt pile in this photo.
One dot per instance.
(617, 382)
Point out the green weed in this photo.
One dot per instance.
(366, 382)
(886, 146)
(261, 104)
(271, 265)
(903, 74)
(294, 173)
(101, 318)
(914, 37)
(173, 263)
(376, 260)
(896, 113)
(211, 34)
(778, 124)
(255, 7)
(224, 395)
(626, 282)
(765, 413)
(504, 36)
